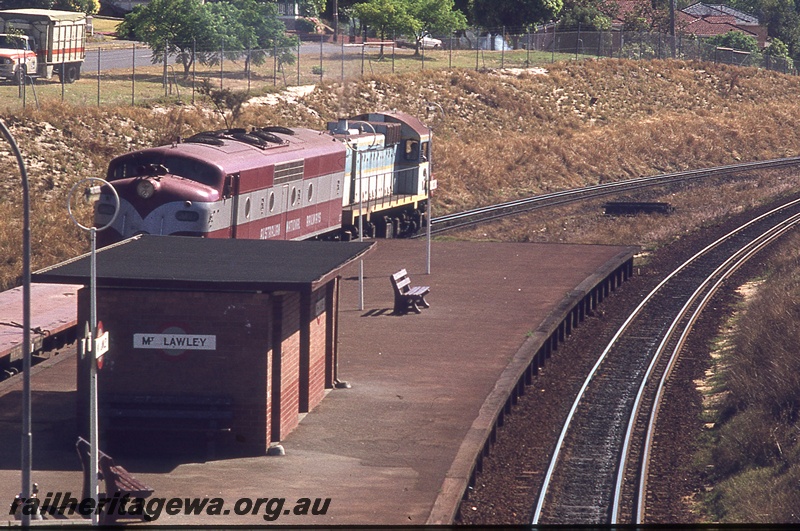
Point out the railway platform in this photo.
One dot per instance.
(50, 318)
(427, 391)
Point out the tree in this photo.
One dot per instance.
(514, 13)
(649, 16)
(312, 8)
(252, 29)
(385, 17)
(777, 50)
(736, 40)
(465, 6)
(411, 17)
(435, 16)
(194, 30)
(781, 17)
(171, 27)
(593, 15)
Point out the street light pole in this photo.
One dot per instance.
(27, 436)
(428, 188)
(90, 349)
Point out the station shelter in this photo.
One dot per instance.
(210, 340)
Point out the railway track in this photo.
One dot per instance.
(488, 213)
(598, 471)
(9, 358)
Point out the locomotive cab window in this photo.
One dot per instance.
(412, 150)
(195, 170)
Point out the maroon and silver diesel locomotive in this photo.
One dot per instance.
(275, 183)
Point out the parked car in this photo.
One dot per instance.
(427, 42)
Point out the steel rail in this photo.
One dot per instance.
(730, 267)
(727, 268)
(492, 212)
(637, 311)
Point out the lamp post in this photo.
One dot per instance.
(27, 437)
(91, 345)
(428, 187)
(359, 163)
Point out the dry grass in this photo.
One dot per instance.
(504, 134)
(752, 456)
(508, 135)
(696, 206)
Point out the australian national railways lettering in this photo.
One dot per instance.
(175, 341)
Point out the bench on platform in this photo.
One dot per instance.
(118, 481)
(406, 297)
(208, 415)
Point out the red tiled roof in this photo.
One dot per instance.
(708, 26)
(721, 20)
(625, 7)
(705, 28)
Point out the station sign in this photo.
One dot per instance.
(175, 341)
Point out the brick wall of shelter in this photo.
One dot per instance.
(289, 398)
(238, 367)
(317, 348)
(242, 364)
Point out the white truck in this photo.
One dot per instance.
(42, 42)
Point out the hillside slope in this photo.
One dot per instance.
(503, 134)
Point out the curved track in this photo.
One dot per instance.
(587, 480)
(479, 215)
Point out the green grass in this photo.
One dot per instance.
(105, 25)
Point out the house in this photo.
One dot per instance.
(700, 20)
(709, 20)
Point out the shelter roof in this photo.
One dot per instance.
(205, 264)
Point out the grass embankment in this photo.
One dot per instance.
(502, 135)
(752, 455)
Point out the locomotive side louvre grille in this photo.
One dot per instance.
(289, 171)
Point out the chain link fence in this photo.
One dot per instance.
(125, 74)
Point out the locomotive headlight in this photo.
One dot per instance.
(145, 189)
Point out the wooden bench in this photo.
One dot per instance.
(118, 481)
(209, 415)
(406, 297)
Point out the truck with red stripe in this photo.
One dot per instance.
(42, 42)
